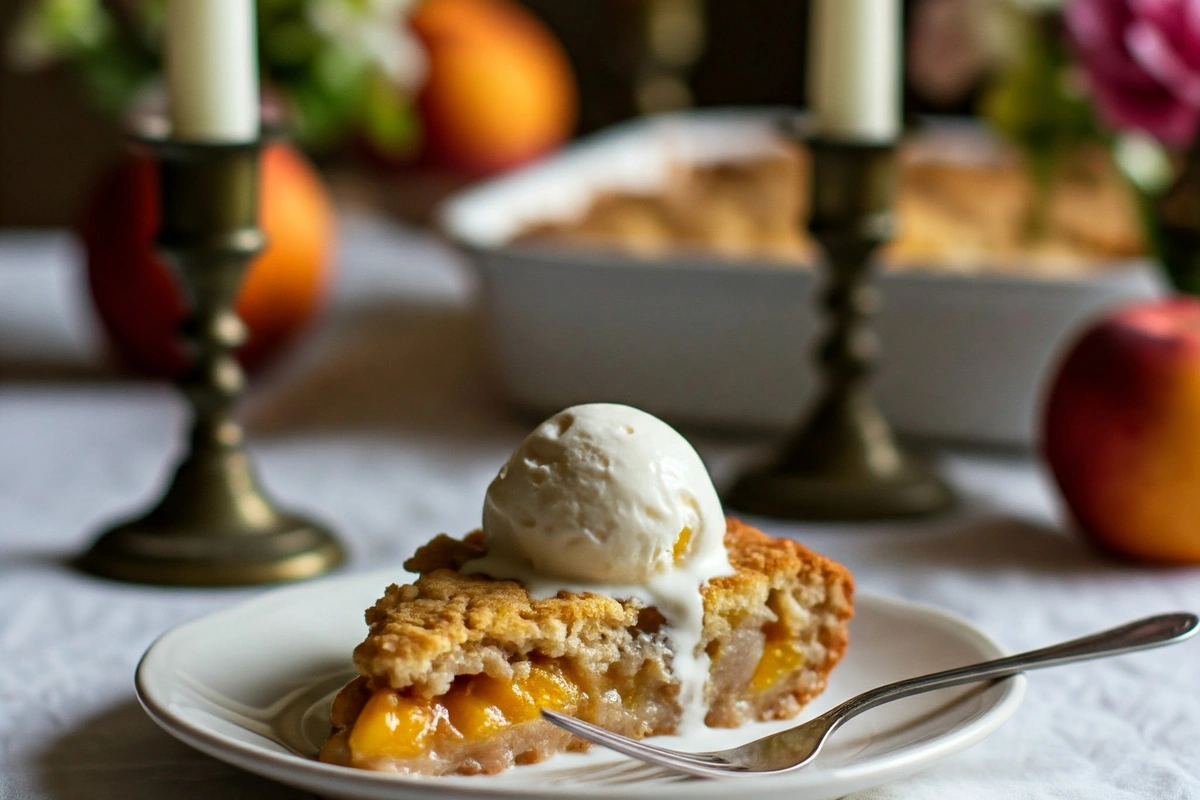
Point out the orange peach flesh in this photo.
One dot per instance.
(396, 725)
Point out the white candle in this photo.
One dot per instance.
(854, 69)
(212, 70)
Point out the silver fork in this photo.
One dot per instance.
(796, 747)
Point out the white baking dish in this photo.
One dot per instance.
(698, 339)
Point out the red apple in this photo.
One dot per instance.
(1122, 431)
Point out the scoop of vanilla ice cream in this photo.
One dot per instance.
(606, 493)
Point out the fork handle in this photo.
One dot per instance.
(1141, 634)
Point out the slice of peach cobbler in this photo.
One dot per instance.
(606, 584)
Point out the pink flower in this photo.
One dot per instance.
(1142, 60)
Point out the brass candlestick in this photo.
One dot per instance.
(215, 525)
(844, 463)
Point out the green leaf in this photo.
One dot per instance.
(388, 119)
(288, 43)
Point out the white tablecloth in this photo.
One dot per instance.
(385, 424)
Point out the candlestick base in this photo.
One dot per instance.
(214, 527)
(912, 492)
(151, 550)
(850, 470)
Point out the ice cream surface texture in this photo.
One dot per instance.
(609, 499)
(608, 493)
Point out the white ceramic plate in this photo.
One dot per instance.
(251, 685)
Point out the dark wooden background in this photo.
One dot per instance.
(52, 143)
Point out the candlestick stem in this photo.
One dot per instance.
(844, 462)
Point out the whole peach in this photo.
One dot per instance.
(139, 301)
(500, 90)
(1121, 431)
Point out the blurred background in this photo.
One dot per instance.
(1047, 172)
(1035, 176)
(73, 67)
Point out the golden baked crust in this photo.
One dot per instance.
(423, 634)
(957, 215)
(455, 667)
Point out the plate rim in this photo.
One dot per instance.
(282, 766)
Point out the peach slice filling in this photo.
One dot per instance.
(397, 725)
(779, 658)
(781, 655)
(681, 545)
